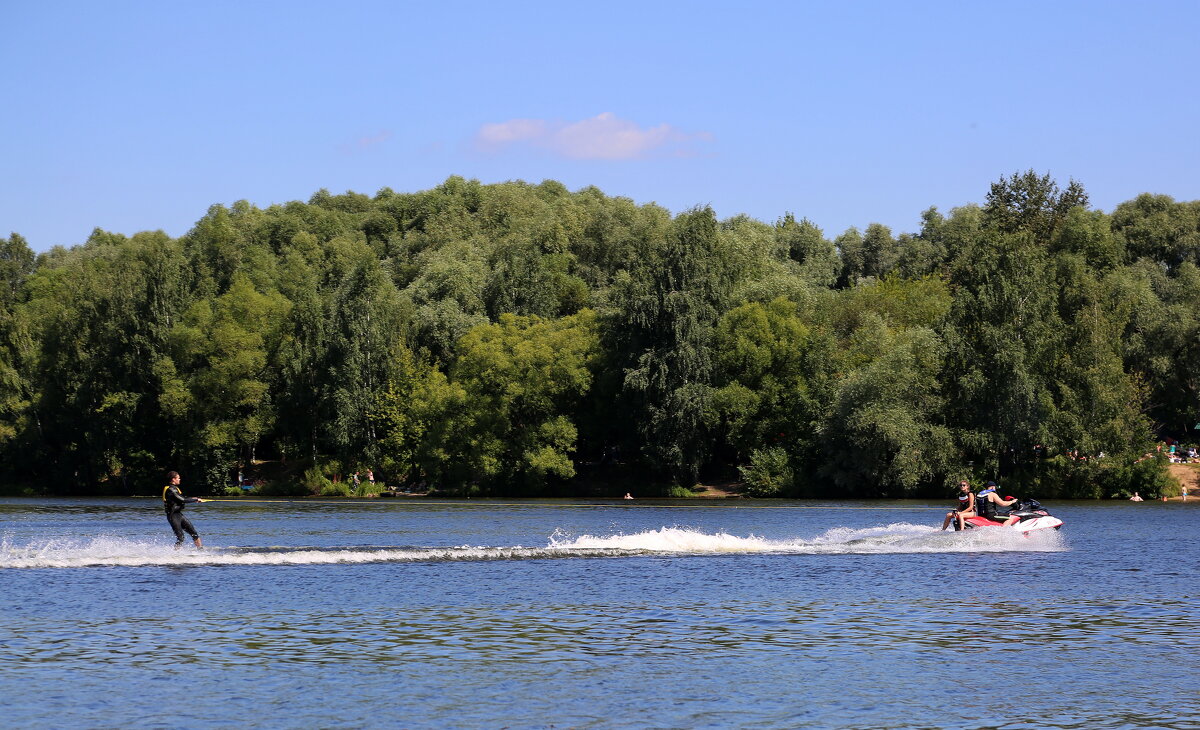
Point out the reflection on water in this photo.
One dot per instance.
(542, 616)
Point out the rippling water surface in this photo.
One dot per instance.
(588, 614)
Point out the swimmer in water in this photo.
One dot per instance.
(173, 503)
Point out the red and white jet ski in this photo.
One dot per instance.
(1030, 516)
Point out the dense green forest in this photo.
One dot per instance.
(524, 339)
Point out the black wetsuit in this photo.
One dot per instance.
(173, 503)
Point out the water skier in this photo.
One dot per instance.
(173, 503)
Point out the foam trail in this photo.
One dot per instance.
(896, 538)
(117, 552)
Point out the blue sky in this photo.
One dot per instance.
(134, 116)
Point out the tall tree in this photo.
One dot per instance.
(850, 248)
(1032, 204)
(523, 379)
(806, 244)
(878, 251)
(1158, 228)
(16, 264)
(220, 355)
(366, 326)
(103, 314)
(301, 391)
(885, 434)
(665, 324)
(1002, 336)
(768, 360)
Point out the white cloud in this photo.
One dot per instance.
(602, 137)
(372, 140)
(366, 141)
(514, 130)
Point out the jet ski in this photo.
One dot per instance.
(1031, 516)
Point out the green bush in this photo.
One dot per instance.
(1150, 478)
(341, 489)
(675, 491)
(281, 489)
(768, 474)
(20, 490)
(1111, 478)
(466, 491)
(1063, 477)
(314, 481)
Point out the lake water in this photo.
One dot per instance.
(764, 614)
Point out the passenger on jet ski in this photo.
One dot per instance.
(965, 509)
(987, 502)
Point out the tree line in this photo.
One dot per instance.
(525, 339)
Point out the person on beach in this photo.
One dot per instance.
(965, 509)
(173, 503)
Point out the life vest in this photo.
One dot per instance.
(985, 507)
(173, 499)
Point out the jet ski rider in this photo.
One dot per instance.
(966, 507)
(987, 502)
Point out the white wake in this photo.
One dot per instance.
(897, 538)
